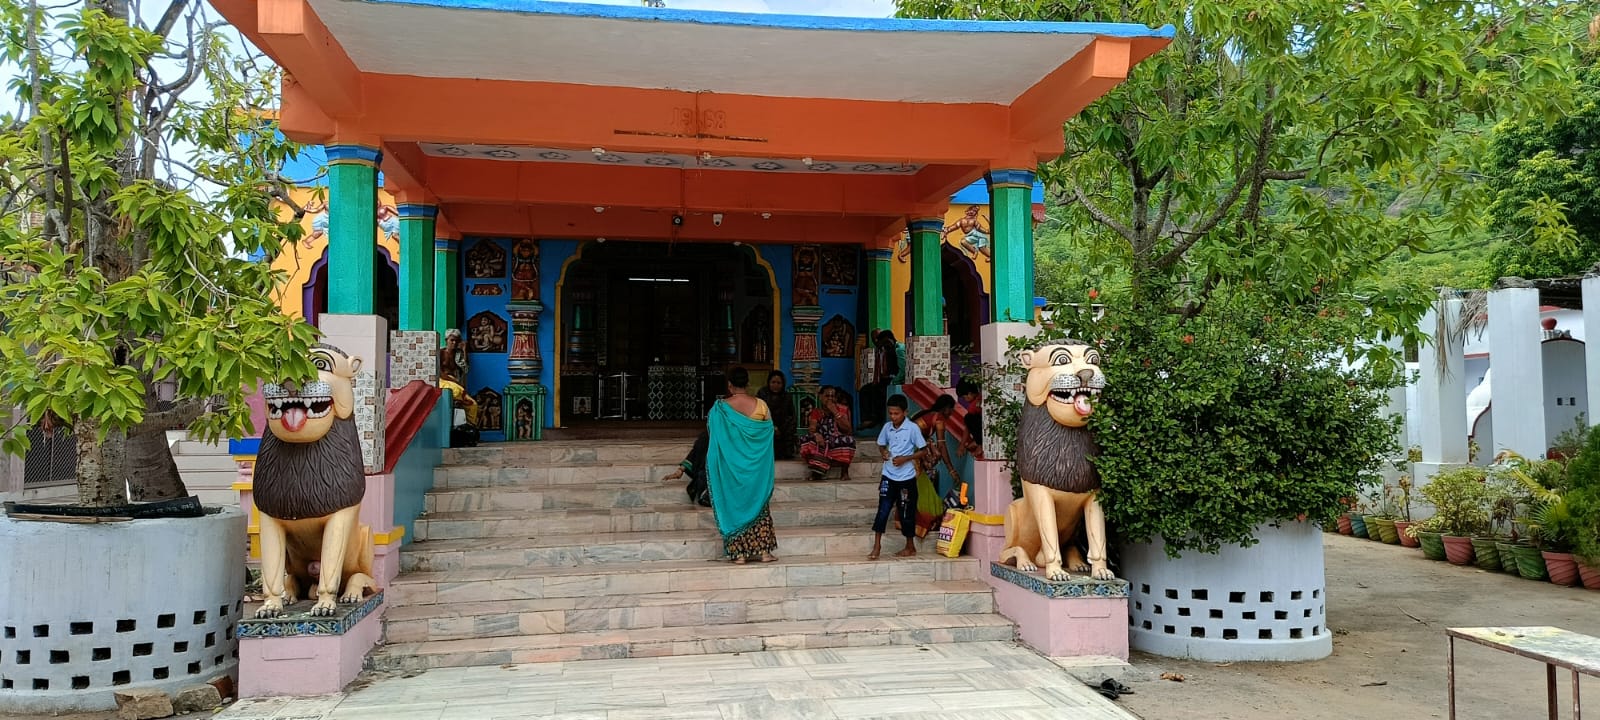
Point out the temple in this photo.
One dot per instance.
(613, 204)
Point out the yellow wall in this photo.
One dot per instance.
(296, 262)
(901, 261)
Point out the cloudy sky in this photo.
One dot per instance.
(850, 8)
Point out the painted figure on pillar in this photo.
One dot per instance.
(524, 271)
(309, 482)
(1055, 452)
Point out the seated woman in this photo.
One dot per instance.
(740, 471)
(828, 443)
(780, 403)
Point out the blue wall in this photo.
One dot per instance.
(841, 300)
(781, 258)
(413, 473)
(552, 255)
(487, 370)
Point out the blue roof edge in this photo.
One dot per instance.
(791, 22)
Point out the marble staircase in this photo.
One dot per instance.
(575, 550)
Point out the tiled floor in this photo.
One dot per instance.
(964, 680)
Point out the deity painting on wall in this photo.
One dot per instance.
(838, 338)
(839, 266)
(485, 259)
(488, 409)
(524, 271)
(486, 333)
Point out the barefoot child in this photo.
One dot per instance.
(902, 446)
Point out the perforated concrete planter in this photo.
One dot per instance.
(86, 610)
(1264, 602)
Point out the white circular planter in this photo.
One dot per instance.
(1264, 602)
(88, 610)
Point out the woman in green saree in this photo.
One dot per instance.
(740, 471)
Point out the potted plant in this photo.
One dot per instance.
(1402, 526)
(1430, 540)
(1536, 484)
(1343, 521)
(1557, 527)
(1503, 491)
(1388, 512)
(1358, 520)
(1460, 500)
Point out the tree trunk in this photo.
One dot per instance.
(152, 473)
(101, 464)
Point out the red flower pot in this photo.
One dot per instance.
(1458, 550)
(1406, 540)
(1590, 574)
(1344, 524)
(1563, 568)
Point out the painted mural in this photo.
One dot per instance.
(301, 261)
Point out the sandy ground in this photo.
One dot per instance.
(1383, 659)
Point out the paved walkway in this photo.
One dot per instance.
(964, 680)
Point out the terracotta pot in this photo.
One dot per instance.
(1589, 574)
(1508, 555)
(1458, 550)
(1485, 554)
(1358, 525)
(1563, 569)
(1387, 532)
(1400, 527)
(1373, 530)
(1432, 545)
(1530, 563)
(1344, 524)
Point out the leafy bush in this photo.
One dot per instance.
(1214, 425)
(1460, 500)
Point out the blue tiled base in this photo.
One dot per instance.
(298, 620)
(1074, 587)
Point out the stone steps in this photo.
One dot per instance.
(664, 576)
(576, 550)
(629, 547)
(695, 640)
(649, 518)
(459, 621)
(609, 495)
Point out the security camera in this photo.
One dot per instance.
(716, 219)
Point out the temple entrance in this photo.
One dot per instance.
(647, 329)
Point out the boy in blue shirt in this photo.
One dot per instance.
(902, 446)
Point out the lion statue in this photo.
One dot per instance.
(1054, 453)
(309, 481)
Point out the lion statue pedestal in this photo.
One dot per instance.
(321, 606)
(1066, 603)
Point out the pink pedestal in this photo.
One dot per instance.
(1065, 626)
(305, 665)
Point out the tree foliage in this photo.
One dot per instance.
(1232, 204)
(1546, 180)
(139, 170)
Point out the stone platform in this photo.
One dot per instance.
(1076, 617)
(301, 654)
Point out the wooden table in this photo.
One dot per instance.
(1552, 646)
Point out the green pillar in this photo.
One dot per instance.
(1011, 211)
(416, 266)
(927, 282)
(446, 285)
(352, 227)
(880, 288)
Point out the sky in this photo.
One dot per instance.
(846, 8)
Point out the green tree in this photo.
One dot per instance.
(1236, 200)
(138, 170)
(1546, 180)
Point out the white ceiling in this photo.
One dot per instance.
(666, 160)
(693, 54)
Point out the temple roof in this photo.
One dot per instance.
(898, 60)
